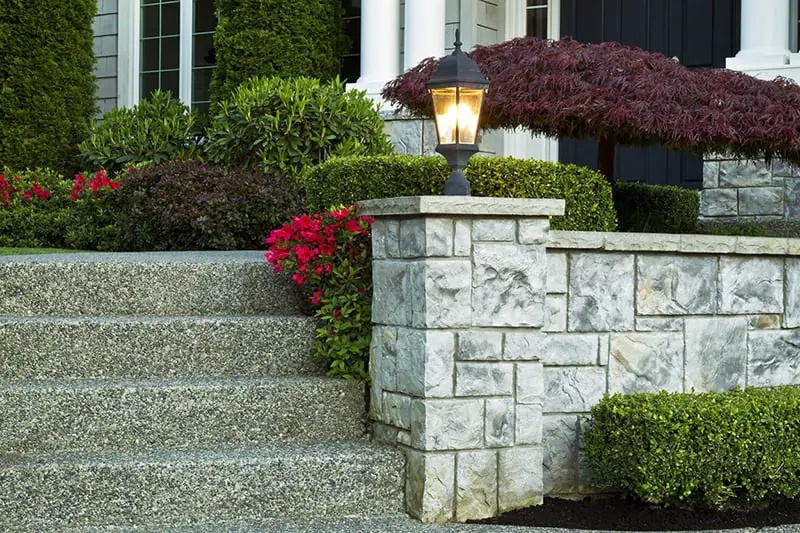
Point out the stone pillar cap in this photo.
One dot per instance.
(465, 206)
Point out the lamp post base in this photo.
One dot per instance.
(457, 156)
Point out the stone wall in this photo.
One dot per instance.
(750, 190)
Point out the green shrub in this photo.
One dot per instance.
(276, 38)
(348, 180)
(154, 131)
(656, 208)
(91, 220)
(189, 205)
(47, 87)
(287, 124)
(31, 203)
(719, 450)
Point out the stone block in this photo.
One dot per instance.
(556, 272)
(375, 376)
(430, 485)
(533, 231)
(716, 354)
(645, 362)
(384, 434)
(530, 383)
(791, 189)
(784, 169)
(519, 478)
(719, 202)
(751, 285)
(523, 346)
(385, 238)
(573, 389)
(707, 244)
(488, 229)
(764, 322)
(555, 318)
(647, 323)
(761, 245)
(508, 285)
(560, 454)
(484, 379)
(480, 346)
(442, 294)
(425, 362)
(601, 292)
(500, 422)
(462, 238)
(447, 424)
(528, 424)
(426, 237)
(569, 349)
(791, 318)
(576, 240)
(676, 285)
(476, 485)
(649, 242)
(397, 410)
(391, 293)
(710, 174)
(774, 358)
(604, 349)
(761, 201)
(744, 174)
(405, 136)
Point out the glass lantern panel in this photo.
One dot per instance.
(444, 106)
(468, 114)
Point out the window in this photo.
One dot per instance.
(351, 62)
(174, 55)
(536, 18)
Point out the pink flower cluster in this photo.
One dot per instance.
(6, 190)
(100, 180)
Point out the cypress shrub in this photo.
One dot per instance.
(346, 180)
(276, 38)
(47, 90)
(656, 208)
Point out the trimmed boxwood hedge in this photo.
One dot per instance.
(276, 38)
(47, 87)
(343, 181)
(656, 208)
(717, 450)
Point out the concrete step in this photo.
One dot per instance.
(163, 283)
(90, 415)
(34, 348)
(54, 492)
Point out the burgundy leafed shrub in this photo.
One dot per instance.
(624, 95)
(189, 205)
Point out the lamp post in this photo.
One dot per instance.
(457, 88)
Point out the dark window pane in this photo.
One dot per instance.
(149, 84)
(352, 8)
(351, 68)
(205, 16)
(170, 53)
(151, 1)
(202, 107)
(352, 28)
(203, 50)
(201, 82)
(169, 82)
(150, 54)
(171, 19)
(535, 3)
(150, 21)
(537, 23)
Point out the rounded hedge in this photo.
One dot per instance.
(344, 181)
(287, 124)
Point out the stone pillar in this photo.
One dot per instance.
(380, 45)
(458, 307)
(425, 21)
(765, 35)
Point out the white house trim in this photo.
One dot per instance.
(128, 53)
(380, 44)
(186, 40)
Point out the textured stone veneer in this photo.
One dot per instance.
(457, 381)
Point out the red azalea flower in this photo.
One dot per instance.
(26, 195)
(315, 297)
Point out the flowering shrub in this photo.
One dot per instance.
(92, 220)
(30, 201)
(330, 255)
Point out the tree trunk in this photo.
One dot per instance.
(605, 158)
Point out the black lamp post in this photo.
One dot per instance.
(457, 88)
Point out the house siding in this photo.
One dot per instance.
(106, 24)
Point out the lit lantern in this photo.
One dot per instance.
(457, 88)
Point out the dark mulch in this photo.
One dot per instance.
(619, 514)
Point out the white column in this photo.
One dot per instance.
(425, 21)
(185, 75)
(765, 35)
(380, 44)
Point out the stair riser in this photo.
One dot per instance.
(44, 348)
(45, 498)
(103, 289)
(39, 420)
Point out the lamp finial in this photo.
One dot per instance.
(458, 42)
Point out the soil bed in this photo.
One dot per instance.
(618, 514)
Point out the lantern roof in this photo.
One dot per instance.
(458, 70)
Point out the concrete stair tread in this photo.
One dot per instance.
(151, 319)
(190, 258)
(200, 383)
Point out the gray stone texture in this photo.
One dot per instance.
(519, 476)
(508, 285)
(533, 231)
(530, 383)
(500, 422)
(430, 485)
(676, 285)
(716, 354)
(462, 238)
(488, 229)
(645, 362)
(744, 174)
(710, 174)
(397, 410)
(751, 285)
(791, 317)
(447, 424)
(761, 201)
(774, 358)
(569, 349)
(484, 379)
(556, 272)
(648, 323)
(560, 454)
(442, 294)
(525, 345)
(425, 362)
(385, 238)
(476, 484)
(555, 318)
(480, 345)
(430, 237)
(719, 202)
(792, 198)
(391, 289)
(601, 292)
(528, 424)
(573, 389)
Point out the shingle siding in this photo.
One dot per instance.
(106, 24)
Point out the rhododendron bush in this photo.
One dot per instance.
(330, 256)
